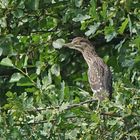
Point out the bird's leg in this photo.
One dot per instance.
(98, 100)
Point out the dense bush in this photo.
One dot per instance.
(43, 90)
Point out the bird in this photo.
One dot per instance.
(99, 74)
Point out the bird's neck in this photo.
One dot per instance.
(89, 55)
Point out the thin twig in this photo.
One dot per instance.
(80, 104)
(45, 121)
(26, 76)
(67, 108)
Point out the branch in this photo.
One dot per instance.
(45, 121)
(112, 114)
(80, 104)
(26, 75)
(45, 31)
(67, 108)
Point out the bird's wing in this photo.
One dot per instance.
(100, 76)
(105, 75)
(109, 82)
(94, 78)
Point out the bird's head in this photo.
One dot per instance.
(79, 44)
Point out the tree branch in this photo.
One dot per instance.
(67, 108)
(45, 121)
(80, 104)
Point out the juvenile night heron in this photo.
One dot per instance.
(99, 74)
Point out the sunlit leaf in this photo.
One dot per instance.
(81, 18)
(109, 37)
(58, 43)
(123, 26)
(78, 3)
(95, 117)
(3, 22)
(106, 58)
(137, 42)
(64, 106)
(6, 62)
(92, 29)
(104, 10)
(55, 69)
(1, 50)
(24, 82)
(39, 65)
(16, 77)
(25, 61)
(92, 10)
(109, 33)
(112, 122)
(130, 24)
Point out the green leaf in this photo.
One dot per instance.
(16, 77)
(95, 117)
(3, 22)
(33, 4)
(62, 92)
(18, 13)
(123, 26)
(109, 37)
(128, 5)
(137, 42)
(128, 63)
(31, 89)
(112, 122)
(38, 83)
(130, 24)
(1, 51)
(92, 29)
(46, 81)
(6, 62)
(39, 65)
(55, 69)
(25, 61)
(78, 3)
(58, 43)
(104, 10)
(81, 17)
(106, 58)
(63, 106)
(119, 46)
(24, 82)
(92, 10)
(110, 33)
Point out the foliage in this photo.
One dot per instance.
(44, 90)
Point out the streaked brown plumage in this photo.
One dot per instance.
(99, 74)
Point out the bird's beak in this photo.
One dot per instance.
(69, 45)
